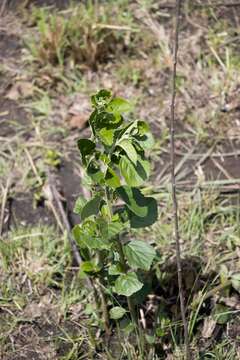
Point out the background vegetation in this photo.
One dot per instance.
(54, 55)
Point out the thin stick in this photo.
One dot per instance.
(55, 213)
(173, 181)
(34, 169)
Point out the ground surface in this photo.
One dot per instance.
(44, 107)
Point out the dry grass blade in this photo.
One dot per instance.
(4, 201)
(34, 169)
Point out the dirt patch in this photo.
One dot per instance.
(9, 45)
(12, 117)
(71, 188)
(23, 212)
(60, 4)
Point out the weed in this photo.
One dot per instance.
(87, 36)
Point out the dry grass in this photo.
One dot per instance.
(41, 297)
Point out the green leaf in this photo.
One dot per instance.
(79, 204)
(115, 269)
(127, 327)
(106, 136)
(77, 234)
(85, 236)
(101, 99)
(142, 210)
(117, 312)
(127, 284)
(151, 339)
(139, 254)
(94, 172)
(97, 243)
(143, 127)
(115, 228)
(89, 267)
(140, 132)
(129, 149)
(134, 175)
(111, 179)
(119, 105)
(235, 280)
(134, 200)
(146, 141)
(91, 207)
(86, 147)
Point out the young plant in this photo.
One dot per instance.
(116, 166)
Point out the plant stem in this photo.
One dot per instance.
(173, 181)
(104, 307)
(124, 266)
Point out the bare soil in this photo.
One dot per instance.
(33, 338)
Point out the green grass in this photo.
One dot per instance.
(36, 261)
(85, 35)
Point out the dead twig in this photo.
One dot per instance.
(173, 182)
(34, 169)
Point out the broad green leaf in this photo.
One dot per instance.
(117, 312)
(119, 105)
(142, 210)
(115, 228)
(142, 294)
(143, 127)
(79, 204)
(127, 284)
(139, 254)
(91, 207)
(151, 339)
(129, 149)
(86, 147)
(101, 99)
(105, 212)
(127, 327)
(77, 234)
(140, 222)
(134, 175)
(111, 179)
(104, 158)
(115, 269)
(97, 243)
(106, 136)
(146, 141)
(95, 173)
(86, 238)
(134, 200)
(105, 120)
(140, 132)
(89, 267)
